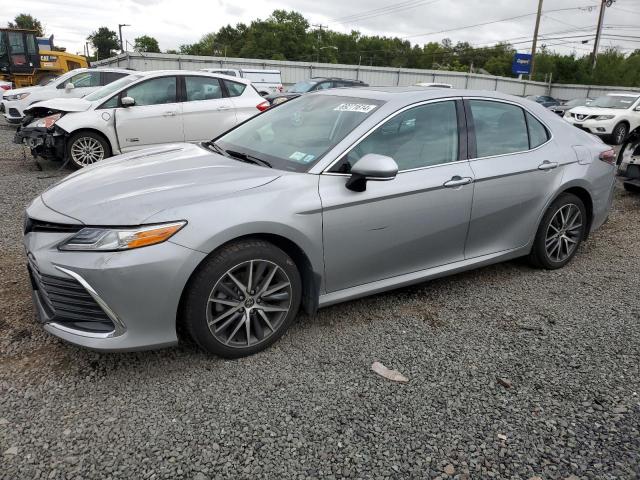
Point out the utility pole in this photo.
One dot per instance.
(535, 41)
(596, 44)
(319, 27)
(120, 25)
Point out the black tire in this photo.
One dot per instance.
(88, 138)
(198, 311)
(631, 188)
(539, 256)
(619, 133)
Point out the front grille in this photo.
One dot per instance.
(31, 225)
(67, 302)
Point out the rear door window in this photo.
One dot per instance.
(108, 77)
(538, 134)
(235, 89)
(202, 88)
(500, 128)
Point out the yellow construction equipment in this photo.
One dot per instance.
(25, 64)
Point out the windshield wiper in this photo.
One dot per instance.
(215, 148)
(245, 157)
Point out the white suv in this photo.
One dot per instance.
(74, 84)
(141, 110)
(612, 116)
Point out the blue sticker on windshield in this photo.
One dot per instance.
(308, 158)
(298, 156)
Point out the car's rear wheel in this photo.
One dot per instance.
(86, 148)
(242, 299)
(619, 133)
(560, 233)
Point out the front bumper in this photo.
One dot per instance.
(596, 127)
(12, 112)
(47, 143)
(135, 293)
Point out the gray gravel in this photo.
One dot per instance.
(514, 373)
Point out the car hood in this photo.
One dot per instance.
(130, 188)
(596, 111)
(61, 105)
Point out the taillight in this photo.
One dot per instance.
(608, 156)
(5, 87)
(262, 106)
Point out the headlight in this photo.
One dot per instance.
(17, 96)
(114, 239)
(279, 100)
(46, 122)
(604, 117)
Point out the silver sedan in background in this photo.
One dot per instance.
(332, 196)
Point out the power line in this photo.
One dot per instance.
(382, 11)
(493, 21)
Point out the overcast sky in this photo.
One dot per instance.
(174, 22)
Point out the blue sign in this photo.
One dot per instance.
(521, 64)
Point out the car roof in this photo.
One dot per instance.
(415, 94)
(630, 94)
(198, 73)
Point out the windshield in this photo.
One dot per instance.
(614, 101)
(302, 87)
(296, 134)
(112, 87)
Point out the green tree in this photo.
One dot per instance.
(28, 22)
(145, 43)
(104, 41)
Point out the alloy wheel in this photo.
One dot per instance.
(619, 133)
(86, 151)
(249, 303)
(563, 233)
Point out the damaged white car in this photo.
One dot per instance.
(137, 111)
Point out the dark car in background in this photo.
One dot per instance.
(312, 85)
(544, 100)
(576, 102)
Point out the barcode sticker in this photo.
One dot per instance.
(354, 107)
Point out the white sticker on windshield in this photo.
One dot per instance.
(297, 156)
(355, 107)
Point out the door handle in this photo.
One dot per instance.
(457, 181)
(169, 114)
(547, 165)
(224, 107)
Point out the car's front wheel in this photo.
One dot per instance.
(560, 233)
(242, 299)
(87, 148)
(619, 133)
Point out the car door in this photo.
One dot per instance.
(156, 116)
(517, 169)
(414, 222)
(83, 84)
(244, 98)
(206, 111)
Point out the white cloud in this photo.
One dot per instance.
(174, 23)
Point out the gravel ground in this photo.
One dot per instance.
(514, 373)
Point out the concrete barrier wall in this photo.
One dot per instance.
(293, 72)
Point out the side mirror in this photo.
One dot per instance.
(371, 167)
(637, 109)
(69, 86)
(127, 102)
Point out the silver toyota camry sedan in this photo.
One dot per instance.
(329, 197)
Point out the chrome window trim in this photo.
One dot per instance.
(381, 122)
(500, 100)
(119, 325)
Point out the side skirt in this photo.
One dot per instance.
(419, 276)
